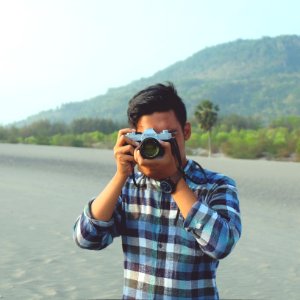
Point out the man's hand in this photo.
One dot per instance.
(123, 152)
(160, 167)
(103, 206)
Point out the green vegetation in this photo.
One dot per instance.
(259, 79)
(80, 133)
(252, 77)
(234, 136)
(207, 115)
(246, 137)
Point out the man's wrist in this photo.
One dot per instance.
(120, 178)
(169, 184)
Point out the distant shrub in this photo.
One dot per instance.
(280, 140)
(243, 144)
(64, 140)
(30, 140)
(194, 141)
(298, 151)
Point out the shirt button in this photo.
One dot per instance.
(160, 245)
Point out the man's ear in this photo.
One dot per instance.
(187, 131)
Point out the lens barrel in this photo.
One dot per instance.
(150, 148)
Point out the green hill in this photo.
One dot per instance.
(249, 77)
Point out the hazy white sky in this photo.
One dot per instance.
(57, 51)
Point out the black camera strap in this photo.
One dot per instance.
(180, 167)
(176, 154)
(184, 175)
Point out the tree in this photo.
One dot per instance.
(207, 114)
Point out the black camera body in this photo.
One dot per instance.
(150, 146)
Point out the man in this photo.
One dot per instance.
(176, 220)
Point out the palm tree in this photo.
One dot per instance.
(207, 114)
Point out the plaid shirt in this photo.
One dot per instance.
(166, 257)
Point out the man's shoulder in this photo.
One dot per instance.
(219, 178)
(210, 176)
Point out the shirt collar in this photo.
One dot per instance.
(186, 170)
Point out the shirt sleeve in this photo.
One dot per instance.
(214, 219)
(93, 234)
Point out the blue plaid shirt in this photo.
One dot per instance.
(166, 257)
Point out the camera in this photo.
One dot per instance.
(150, 146)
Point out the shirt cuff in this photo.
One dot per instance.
(88, 214)
(197, 216)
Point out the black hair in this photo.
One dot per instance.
(156, 98)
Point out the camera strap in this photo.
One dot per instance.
(176, 153)
(184, 175)
(180, 167)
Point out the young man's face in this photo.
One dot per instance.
(160, 121)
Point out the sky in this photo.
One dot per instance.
(58, 51)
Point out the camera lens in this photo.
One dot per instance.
(150, 148)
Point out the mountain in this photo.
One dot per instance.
(249, 77)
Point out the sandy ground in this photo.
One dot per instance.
(44, 189)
